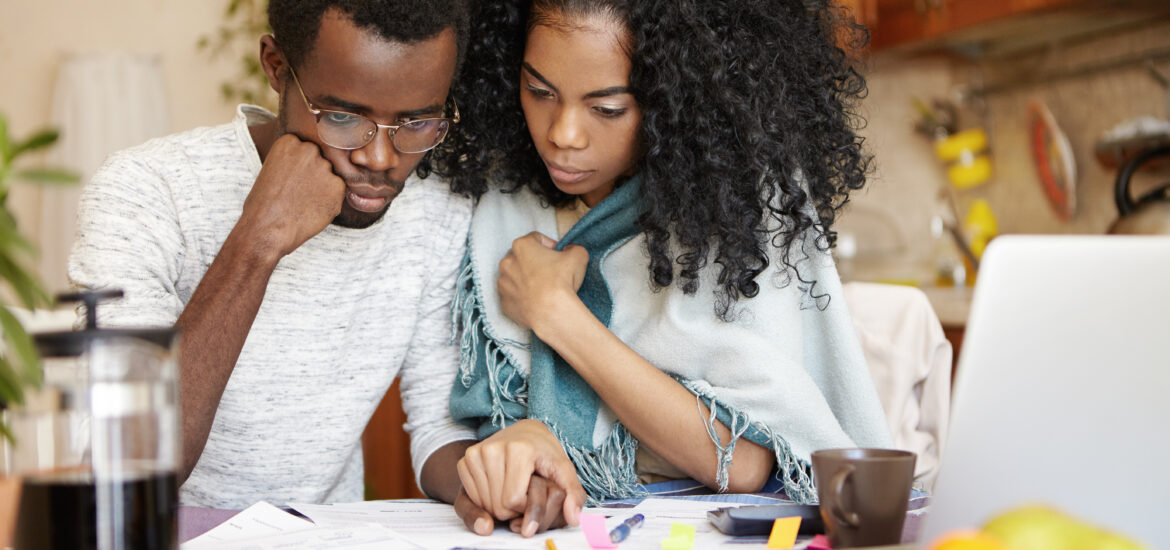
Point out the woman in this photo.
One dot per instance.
(665, 306)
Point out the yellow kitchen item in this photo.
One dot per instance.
(980, 226)
(950, 148)
(966, 156)
(964, 175)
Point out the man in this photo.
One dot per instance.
(302, 264)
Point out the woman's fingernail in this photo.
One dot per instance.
(530, 529)
(481, 526)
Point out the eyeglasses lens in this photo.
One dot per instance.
(347, 131)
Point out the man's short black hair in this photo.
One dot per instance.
(295, 22)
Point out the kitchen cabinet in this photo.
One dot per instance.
(961, 24)
(895, 22)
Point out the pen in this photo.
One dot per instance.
(622, 531)
(548, 543)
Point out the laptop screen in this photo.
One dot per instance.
(1062, 395)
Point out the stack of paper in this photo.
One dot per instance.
(424, 525)
(263, 527)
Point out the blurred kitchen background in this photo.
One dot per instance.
(985, 117)
(1096, 66)
(111, 74)
(1065, 91)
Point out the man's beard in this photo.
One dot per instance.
(349, 216)
(356, 219)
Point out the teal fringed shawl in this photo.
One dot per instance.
(556, 394)
(787, 377)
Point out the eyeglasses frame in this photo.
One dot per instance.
(391, 128)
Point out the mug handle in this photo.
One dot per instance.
(838, 483)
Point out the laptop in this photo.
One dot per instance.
(1062, 395)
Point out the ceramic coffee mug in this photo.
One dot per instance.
(864, 494)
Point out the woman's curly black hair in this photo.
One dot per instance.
(748, 128)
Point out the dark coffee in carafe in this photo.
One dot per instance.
(60, 511)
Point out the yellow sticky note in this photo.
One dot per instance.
(784, 532)
(682, 537)
(683, 530)
(677, 543)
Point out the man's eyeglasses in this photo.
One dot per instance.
(349, 131)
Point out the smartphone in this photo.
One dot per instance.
(758, 520)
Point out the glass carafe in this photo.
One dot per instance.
(97, 447)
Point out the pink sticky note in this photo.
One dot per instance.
(819, 542)
(784, 532)
(595, 532)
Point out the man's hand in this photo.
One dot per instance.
(295, 196)
(477, 520)
(534, 277)
(497, 473)
(542, 511)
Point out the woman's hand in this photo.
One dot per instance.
(497, 476)
(544, 509)
(542, 512)
(535, 278)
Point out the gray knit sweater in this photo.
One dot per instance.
(343, 315)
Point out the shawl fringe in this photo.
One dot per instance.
(795, 474)
(607, 472)
(467, 325)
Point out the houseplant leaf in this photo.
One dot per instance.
(26, 288)
(21, 345)
(10, 384)
(5, 143)
(43, 138)
(19, 365)
(11, 241)
(5, 433)
(48, 176)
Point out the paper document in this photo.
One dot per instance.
(430, 525)
(257, 520)
(435, 525)
(349, 537)
(263, 526)
(425, 525)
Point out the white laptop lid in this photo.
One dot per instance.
(1063, 388)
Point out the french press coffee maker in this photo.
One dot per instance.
(97, 446)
